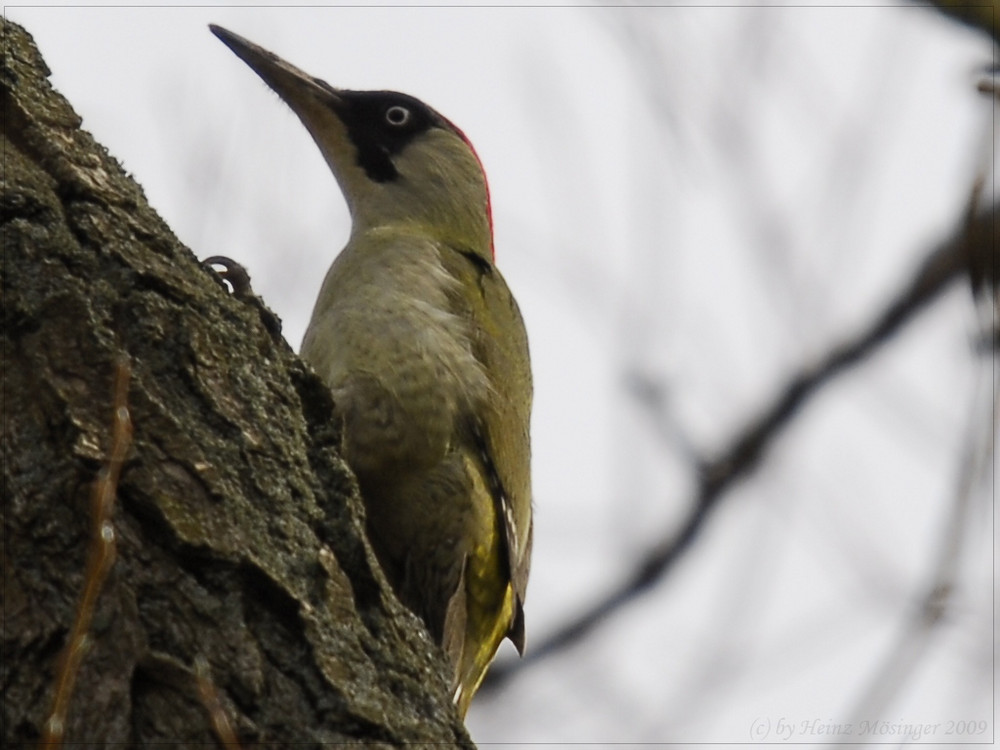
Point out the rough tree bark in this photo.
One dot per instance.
(238, 526)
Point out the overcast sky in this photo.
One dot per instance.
(698, 200)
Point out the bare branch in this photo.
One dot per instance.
(938, 597)
(979, 15)
(943, 265)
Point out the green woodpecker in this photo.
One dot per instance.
(423, 346)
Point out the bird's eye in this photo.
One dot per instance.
(397, 116)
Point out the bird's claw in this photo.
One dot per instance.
(231, 273)
(236, 278)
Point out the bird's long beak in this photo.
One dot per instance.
(295, 86)
(319, 106)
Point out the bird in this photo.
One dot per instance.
(424, 349)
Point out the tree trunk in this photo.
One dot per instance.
(238, 527)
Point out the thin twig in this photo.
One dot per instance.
(209, 696)
(100, 558)
(937, 598)
(745, 451)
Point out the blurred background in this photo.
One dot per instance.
(763, 429)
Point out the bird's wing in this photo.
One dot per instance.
(500, 343)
